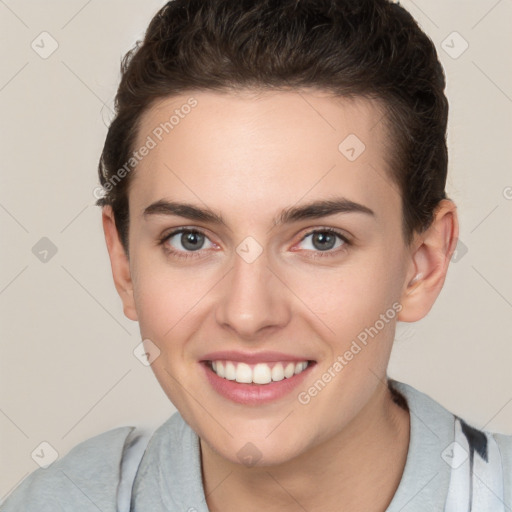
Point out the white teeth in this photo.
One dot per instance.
(278, 372)
(243, 373)
(230, 371)
(261, 373)
(219, 369)
(289, 370)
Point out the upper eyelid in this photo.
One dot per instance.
(336, 231)
(183, 229)
(339, 233)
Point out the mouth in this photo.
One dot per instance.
(253, 382)
(260, 373)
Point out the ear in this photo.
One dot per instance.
(120, 263)
(431, 252)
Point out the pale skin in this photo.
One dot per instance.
(247, 158)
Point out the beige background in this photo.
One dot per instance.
(67, 366)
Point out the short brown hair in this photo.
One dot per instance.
(352, 48)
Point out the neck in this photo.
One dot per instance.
(360, 467)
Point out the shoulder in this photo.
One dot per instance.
(504, 443)
(485, 463)
(86, 478)
(477, 458)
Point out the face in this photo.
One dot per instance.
(265, 244)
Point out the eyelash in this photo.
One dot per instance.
(195, 254)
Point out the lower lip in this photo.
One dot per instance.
(254, 394)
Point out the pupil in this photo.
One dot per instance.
(190, 241)
(325, 240)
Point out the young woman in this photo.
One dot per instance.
(274, 203)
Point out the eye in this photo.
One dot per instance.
(188, 242)
(182, 241)
(325, 240)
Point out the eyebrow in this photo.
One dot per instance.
(313, 210)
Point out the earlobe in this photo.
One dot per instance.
(120, 264)
(430, 257)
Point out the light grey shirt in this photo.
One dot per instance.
(450, 466)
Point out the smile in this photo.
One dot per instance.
(255, 379)
(261, 373)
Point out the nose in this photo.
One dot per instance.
(253, 300)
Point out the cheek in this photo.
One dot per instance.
(346, 296)
(168, 299)
(167, 313)
(350, 294)
(357, 301)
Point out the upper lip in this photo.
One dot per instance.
(252, 357)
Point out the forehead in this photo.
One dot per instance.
(244, 149)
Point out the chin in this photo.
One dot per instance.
(256, 451)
